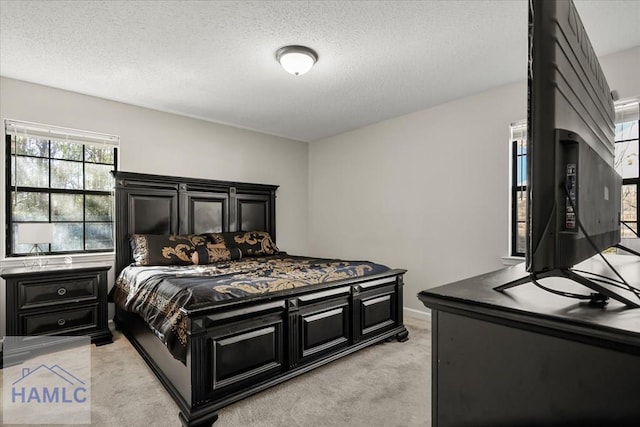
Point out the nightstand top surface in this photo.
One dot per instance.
(53, 269)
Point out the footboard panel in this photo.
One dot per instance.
(247, 352)
(378, 310)
(324, 330)
(322, 323)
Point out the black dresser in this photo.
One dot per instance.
(527, 357)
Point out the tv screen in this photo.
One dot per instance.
(573, 190)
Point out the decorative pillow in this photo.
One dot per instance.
(215, 238)
(156, 249)
(250, 243)
(210, 253)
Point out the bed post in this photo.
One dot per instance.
(356, 321)
(403, 335)
(293, 330)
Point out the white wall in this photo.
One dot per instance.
(428, 191)
(621, 71)
(161, 143)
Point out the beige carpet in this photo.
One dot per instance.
(388, 385)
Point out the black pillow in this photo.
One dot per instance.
(210, 253)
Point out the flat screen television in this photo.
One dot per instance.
(573, 189)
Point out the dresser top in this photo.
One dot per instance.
(530, 305)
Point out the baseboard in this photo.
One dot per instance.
(417, 314)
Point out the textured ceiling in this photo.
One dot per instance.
(215, 60)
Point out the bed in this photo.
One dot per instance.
(248, 320)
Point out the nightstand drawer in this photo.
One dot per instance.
(61, 322)
(42, 293)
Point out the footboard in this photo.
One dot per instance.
(240, 350)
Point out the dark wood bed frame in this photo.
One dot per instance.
(239, 348)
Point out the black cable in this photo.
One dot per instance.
(601, 277)
(627, 286)
(534, 280)
(629, 227)
(611, 282)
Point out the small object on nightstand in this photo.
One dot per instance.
(35, 234)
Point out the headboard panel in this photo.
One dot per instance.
(159, 204)
(252, 211)
(204, 212)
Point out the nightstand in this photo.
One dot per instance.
(58, 301)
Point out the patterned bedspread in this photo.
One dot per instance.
(158, 293)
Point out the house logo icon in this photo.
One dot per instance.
(48, 384)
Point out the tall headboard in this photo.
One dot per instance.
(158, 204)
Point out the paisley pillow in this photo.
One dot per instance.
(249, 243)
(156, 249)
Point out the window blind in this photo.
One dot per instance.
(627, 112)
(20, 128)
(518, 130)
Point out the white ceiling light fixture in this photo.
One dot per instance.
(296, 60)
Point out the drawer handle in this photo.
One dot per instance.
(61, 322)
(62, 291)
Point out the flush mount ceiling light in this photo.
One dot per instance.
(296, 60)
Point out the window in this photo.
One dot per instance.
(518, 187)
(627, 163)
(628, 166)
(62, 177)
